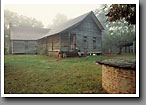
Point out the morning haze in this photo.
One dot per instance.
(47, 12)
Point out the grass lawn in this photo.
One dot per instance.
(36, 74)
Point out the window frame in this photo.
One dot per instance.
(94, 42)
(85, 42)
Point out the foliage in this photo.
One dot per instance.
(117, 33)
(14, 19)
(19, 20)
(5, 50)
(42, 50)
(106, 39)
(122, 34)
(58, 20)
(120, 11)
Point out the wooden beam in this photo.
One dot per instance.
(52, 44)
(10, 41)
(60, 42)
(46, 46)
(68, 41)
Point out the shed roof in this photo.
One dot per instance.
(76, 21)
(26, 33)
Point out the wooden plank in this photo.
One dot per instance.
(90, 29)
(18, 47)
(53, 43)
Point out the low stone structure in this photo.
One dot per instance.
(119, 76)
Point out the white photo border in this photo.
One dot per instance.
(3, 2)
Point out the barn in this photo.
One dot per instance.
(81, 35)
(24, 39)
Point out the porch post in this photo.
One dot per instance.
(68, 41)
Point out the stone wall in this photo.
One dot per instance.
(118, 80)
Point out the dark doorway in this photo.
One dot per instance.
(72, 42)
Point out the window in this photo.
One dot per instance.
(94, 42)
(72, 41)
(52, 45)
(85, 43)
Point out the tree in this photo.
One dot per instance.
(106, 38)
(122, 35)
(117, 34)
(20, 20)
(122, 11)
(17, 20)
(58, 20)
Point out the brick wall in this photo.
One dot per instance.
(118, 80)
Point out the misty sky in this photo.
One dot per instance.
(47, 12)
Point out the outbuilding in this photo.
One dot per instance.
(24, 39)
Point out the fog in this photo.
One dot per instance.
(47, 12)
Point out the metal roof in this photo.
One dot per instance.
(72, 23)
(29, 33)
(26, 33)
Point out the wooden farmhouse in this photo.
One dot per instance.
(81, 35)
(24, 39)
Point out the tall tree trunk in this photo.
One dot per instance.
(120, 50)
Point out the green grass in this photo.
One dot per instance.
(36, 74)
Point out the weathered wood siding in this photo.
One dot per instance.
(43, 43)
(49, 44)
(88, 28)
(85, 37)
(53, 43)
(42, 46)
(68, 42)
(65, 42)
(18, 46)
(24, 46)
(32, 47)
